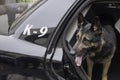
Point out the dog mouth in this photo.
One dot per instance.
(78, 60)
(79, 57)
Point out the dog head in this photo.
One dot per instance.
(88, 38)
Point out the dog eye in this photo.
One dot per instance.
(86, 41)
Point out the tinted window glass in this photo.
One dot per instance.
(39, 23)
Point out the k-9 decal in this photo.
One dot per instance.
(29, 31)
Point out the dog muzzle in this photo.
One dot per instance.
(79, 57)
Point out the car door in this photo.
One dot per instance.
(57, 45)
(31, 35)
(32, 32)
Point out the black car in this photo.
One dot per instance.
(38, 43)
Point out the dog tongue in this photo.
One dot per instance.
(78, 60)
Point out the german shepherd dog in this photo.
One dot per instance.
(95, 41)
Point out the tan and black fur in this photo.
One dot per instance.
(97, 42)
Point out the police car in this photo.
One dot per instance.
(38, 42)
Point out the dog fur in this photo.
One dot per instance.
(97, 42)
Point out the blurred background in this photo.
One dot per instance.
(10, 10)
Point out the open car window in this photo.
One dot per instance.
(73, 27)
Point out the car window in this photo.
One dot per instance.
(38, 24)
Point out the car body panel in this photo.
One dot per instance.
(48, 15)
(52, 14)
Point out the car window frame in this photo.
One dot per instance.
(57, 35)
(80, 71)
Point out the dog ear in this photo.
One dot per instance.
(97, 27)
(80, 19)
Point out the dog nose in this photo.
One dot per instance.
(83, 52)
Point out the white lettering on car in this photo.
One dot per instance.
(42, 31)
(27, 29)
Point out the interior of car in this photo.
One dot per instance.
(106, 11)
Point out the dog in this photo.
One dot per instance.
(96, 42)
